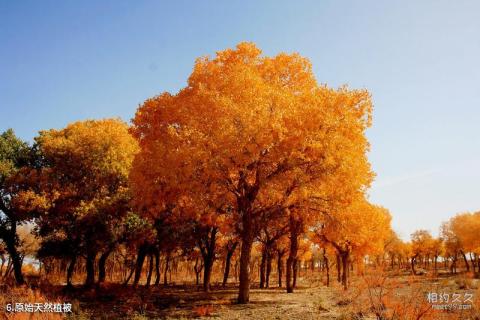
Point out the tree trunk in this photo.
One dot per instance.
(262, 268)
(167, 267)
(327, 266)
(453, 266)
(228, 260)
(70, 269)
(269, 268)
(248, 193)
(101, 265)
(245, 252)
(345, 256)
(467, 265)
(198, 270)
(280, 267)
(157, 267)
(150, 270)
(413, 265)
(295, 268)
(90, 268)
(132, 269)
(207, 274)
(9, 269)
(292, 255)
(339, 268)
(244, 276)
(10, 240)
(142, 251)
(208, 255)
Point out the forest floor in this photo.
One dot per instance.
(178, 302)
(400, 294)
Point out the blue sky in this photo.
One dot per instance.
(62, 61)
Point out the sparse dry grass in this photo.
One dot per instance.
(12, 295)
(377, 295)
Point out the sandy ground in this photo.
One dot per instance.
(187, 302)
(311, 300)
(305, 303)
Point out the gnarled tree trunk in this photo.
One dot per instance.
(142, 252)
(10, 240)
(90, 268)
(150, 270)
(230, 251)
(207, 248)
(101, 264)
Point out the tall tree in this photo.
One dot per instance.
(421, 243)
(465, 228)
(86, 170)
(257, 130)
(452, 243)
(361, 229)
(18, 203)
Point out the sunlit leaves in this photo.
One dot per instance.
(86, 177)
(261, 119)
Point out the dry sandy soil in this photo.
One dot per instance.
(311, 300)
(305, 303)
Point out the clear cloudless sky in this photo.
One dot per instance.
(62, 61)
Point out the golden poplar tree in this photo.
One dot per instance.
(254, 134)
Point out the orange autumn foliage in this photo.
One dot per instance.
(255, 134)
